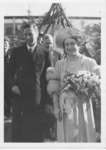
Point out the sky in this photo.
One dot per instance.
(92, 8)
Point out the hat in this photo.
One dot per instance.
(64, 33)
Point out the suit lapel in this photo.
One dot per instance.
(39, 59)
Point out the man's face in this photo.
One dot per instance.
(31, 35)
(47, 40)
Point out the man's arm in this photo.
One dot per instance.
(12, 73)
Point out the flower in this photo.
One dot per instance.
(84, 82)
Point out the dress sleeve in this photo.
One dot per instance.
(92, 66)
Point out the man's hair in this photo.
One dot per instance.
(26, 25)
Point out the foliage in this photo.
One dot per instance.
(92, 42)
(55, 16)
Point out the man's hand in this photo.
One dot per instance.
(16, 90)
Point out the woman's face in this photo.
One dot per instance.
(70, 46)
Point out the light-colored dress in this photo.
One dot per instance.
(77, 124)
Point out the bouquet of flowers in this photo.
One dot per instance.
(83, 83)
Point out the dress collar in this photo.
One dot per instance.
(74, 57)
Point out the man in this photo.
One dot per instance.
(46, 101)
(54, 54)
(45, 48)
(27, 65)
(7, 103)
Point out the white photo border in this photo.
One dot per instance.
(103, 96)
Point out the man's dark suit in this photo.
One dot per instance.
(7, 93)
(28, 73)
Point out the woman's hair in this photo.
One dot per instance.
(70, 37)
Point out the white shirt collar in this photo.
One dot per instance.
(31, 47)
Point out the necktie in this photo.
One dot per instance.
(30, 50)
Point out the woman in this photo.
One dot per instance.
(76, 122)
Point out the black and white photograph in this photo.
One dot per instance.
(52, 72)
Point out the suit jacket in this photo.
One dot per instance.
(27, 71)
(7, 91)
